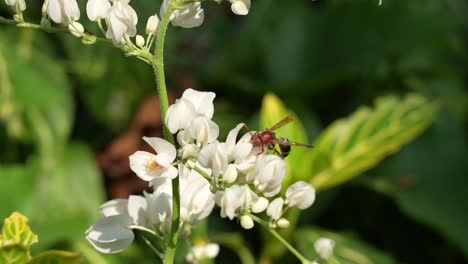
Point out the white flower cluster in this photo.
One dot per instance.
(120, 19)
(235, 175)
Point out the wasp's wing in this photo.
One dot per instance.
(288, 119)
(291, 143)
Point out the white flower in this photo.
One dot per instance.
(187, 147)
(246, 222)
(234, 198)
(214, 157)
(203, 130)
(97, 9)
(63, 11)
(189, 16)
(114, 207)
(192, 103)
(21, 4)
(240, 7)
(324, 247)
(199, 253)
(197, 201)
(270, 172)
(275, 209)
(260, 205)
(76, 29)
(111, 234)
(152, 24)
(122, 19)
(148, 166)
(300, 195)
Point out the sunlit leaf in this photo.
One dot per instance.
(16, 231)
(353, 145)
(348, 249)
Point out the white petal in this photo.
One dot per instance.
(139, 164)
(203, 130)
(300, 195)
(231, 138)
(114, 207)
(170, 173)
(202, 101)
(137, 209)
(97, 9)
(71, 9)
(55, 11)
(324, 247)
(162, 146)
(110, 234)
(246, 222)
(179, 115)
(275, 209)
(260, 205)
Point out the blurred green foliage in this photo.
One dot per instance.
(61, 101)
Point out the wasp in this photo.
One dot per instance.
(268, 139)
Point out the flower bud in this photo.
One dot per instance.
(21, 4)
(230, 175)
(152, 24)
(97, 9)
(260, 205)
(275, 209)
(283, 223)
(270, 172)
(324, 247)
(300, 195)
(76, 29)
(240, 7)
(246, 222)
(140, 41)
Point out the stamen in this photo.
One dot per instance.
(152, 165)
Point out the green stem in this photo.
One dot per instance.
(303, 259)
(158, 66)
(48, 29)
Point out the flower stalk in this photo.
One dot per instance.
(303, 259)
(158, 67)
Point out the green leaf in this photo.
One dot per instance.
(15, 189)
(36, 102)
(16, 231)
(67, 195)
(273, 110)
(14, 255)
(348, 249)
(353, 145)
(56, 257)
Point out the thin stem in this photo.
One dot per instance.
(158, 66)
(147, 230)
(303, 259)
(150, 245)
(48, 29)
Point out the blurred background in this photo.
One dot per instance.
(71, 114)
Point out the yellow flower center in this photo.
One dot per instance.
(153, 165)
